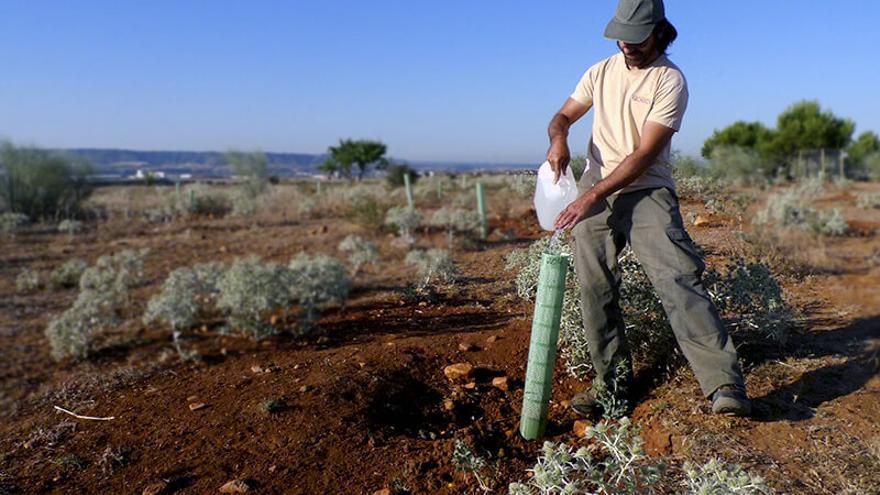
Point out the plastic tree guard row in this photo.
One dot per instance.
(542, 347)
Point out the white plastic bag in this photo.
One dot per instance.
(550, 198)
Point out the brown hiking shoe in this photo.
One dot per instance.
(731, 400)
(587, 405)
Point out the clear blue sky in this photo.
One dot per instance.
(454, 80)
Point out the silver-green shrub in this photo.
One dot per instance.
(68, 274)
(207, 204)
(160, 214)
(316, 281)
(791, 208)
(752, 295)
(307, 207)
(647, 328)
(868, 201)
(101, 302)
(467, 461)
(179, 301)
(830, 223)
(10, 223)
(613, 464)
(432, 265)
(250, 291)
(717, 477)
(360, 251)
(70, 227)
(456, 220)
(245, 205)
(28, 280)
(523, 184)
(405, 221)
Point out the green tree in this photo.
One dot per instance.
(41, 184)
(805, 126)
(360, 153)
(394, 174)
(253, 166)
(750, 135)
(866, 144)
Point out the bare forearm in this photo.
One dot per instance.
(558, 128)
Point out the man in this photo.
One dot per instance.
(627, 196)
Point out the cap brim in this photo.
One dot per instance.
(627, 32)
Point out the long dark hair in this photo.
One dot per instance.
(665, 33)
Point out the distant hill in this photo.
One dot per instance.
(197, 163)
(212, 164)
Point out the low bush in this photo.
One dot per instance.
(466, 460)
(791, 208)
(523, 185)
(316, 281)
(405, 221)
(27, 280)
(177, 302)
(368, 212)
(11, 222)
(868, 201)
(70, 227)
(648, 330)
(751, 295)
(208, 204)
(748, 294)
(245, 205)
(741, 166)
(717, 477)
(160, 214)
(433, 265)
(614, 464)
(250, 291)
(68, 274)
(456, 221)
(360, 252)
(101, 303)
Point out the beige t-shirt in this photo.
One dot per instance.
(623, 99)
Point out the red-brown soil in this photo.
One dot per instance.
(363, 403)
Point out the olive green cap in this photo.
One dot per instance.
(634, 20)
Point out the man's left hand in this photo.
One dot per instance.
(576, 211)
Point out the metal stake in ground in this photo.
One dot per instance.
(542, 348)
(481, 210)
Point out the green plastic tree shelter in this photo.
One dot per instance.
(407, 184)
(542, 348)
(481, 210)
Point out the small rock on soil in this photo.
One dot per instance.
(235, 486)
(458, 371)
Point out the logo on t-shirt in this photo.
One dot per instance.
(641, 99)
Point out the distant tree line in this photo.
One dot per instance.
(804, 126)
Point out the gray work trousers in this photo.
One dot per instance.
(650, 222)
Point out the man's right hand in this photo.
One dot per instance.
(558, 155)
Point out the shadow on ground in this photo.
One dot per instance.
(799, 400)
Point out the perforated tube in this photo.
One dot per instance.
(407, 184)
(542, 347)
(481, 210)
